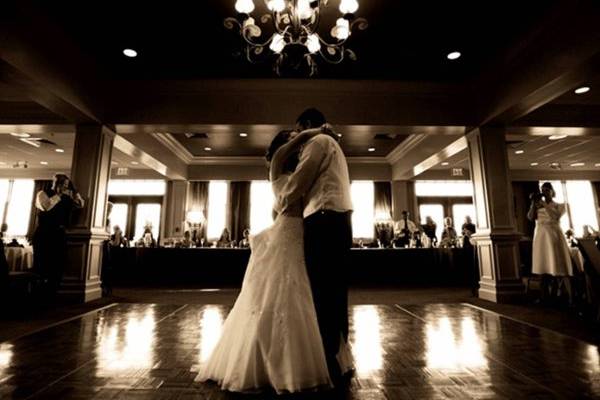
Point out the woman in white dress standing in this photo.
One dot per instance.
(551, 256)
(271, 336)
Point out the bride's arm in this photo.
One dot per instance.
(285, 151)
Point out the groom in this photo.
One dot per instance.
(321, 180)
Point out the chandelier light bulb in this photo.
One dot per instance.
(244, 6)
(277, 43)
(341, 30)
(313, 44)
(276, 5)
(303, 9)
(348, 6)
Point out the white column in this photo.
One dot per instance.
(497, 236)
(90, 172)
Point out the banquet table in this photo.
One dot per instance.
(226, 267)
(19, 258)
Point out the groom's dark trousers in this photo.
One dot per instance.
(327, 242)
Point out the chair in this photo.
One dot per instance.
(591, 267)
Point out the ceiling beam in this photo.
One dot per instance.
(41, 61)
(559, 54)
(279, 101)
(563, 115)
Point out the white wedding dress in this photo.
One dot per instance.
(271, 336)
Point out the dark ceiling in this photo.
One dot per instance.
(405, 40)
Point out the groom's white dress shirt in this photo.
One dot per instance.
(321, 179)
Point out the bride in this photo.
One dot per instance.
(271, 337)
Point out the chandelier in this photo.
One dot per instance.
(294, 42)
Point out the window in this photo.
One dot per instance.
(363, 217)
(118, 216)
(147, 214)
(582, 209)
(261, 206)
(436, 212)
(136, 187)
(217, 208)
(443, 188)
(16, 199)
(459, 212)
(3, 196)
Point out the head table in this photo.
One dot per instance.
(19, 258)
(226, 266)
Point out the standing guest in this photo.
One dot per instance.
(55, 206)
(225, 239)
(245, 242)
(404, 230)
(551, 256)
(468, 229)
(430, 228)
(449, 235)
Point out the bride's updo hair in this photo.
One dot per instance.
(279, 140)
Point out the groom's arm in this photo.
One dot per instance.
(304, 176)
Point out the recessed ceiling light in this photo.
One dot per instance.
(21, 135)
(134, 163)
(207, 149)
(556, 137)
(577, 164)
(454, 55)
(339, 135)
(597, 165)
(114, 163)
(130, 53)
(44, 162)
(59, 150)
(445, 163)
(371, 149)
(534, 164)
(519, 151)
(582, 90)
(243, 134)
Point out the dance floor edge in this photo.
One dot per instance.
(441, 351)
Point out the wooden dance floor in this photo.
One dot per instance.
(144, 351)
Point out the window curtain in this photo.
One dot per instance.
(39, 184)
(383, 201)
(198, 201)
(238, 214)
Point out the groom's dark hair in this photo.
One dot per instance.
(311, 118)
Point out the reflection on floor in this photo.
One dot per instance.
(145, 351)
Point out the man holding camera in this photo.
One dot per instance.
(49, 240)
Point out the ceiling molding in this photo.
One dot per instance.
(453, 148)
(169, 141)
(367, 160)
(407, 146)
(238, 160)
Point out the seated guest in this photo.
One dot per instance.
(449, 235)
(468, 229)
(429, 228)
(14, 243)
(589, 232)
(187, 241)
(117, 239)
(570, 235)
(147, 239)
(404, 230)
(245, 242)
(225, 239)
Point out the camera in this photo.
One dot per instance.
(536, 196)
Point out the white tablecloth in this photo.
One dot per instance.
(19, 258)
